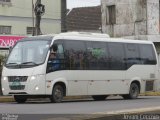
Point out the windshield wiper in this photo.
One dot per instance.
(12, 64)
(26, 63)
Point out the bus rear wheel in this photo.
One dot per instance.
(57, 94)
(20, 98)
(133, 93)
(99, 97)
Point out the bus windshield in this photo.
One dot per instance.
(28, 53)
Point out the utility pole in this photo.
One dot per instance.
(33, 30)
(63, 15)
(39, 11)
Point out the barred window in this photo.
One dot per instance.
(5, 0)
(5, 29)
(30, 30)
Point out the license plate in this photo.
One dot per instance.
(15, 83)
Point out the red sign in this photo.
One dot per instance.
(8, 41)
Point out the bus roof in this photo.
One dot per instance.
(86, 37)
(85, 34)
(96, 37)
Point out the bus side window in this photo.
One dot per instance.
(56, 58)
(97, 56)
(132, 55)
(116, 56)
(60, 51)
(147, 54)
(75, 54)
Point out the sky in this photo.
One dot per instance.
(82, 3)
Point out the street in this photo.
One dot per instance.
(80, 106)
(79, 109)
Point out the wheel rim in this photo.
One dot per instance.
(58, 94)
(134, 91)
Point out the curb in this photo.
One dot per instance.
(150, 94)
(6, 99)
(11, 99)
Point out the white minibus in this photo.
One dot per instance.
(79, 64)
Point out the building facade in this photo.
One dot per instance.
(16, 17)
(134, 19)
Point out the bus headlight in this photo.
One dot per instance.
(2, 89)
(4, 78)
(33, 77)
(36, 88)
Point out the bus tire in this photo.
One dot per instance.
(57, 94)
(133, 93)
(99, 97)
(20, 98)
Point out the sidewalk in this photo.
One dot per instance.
(6, 99)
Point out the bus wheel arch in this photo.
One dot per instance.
(63, 85)
(134, 90)
(58, 92)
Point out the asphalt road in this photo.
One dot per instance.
(79, 106)
(110, 105)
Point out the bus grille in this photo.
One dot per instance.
(18, 87)
(17, 78)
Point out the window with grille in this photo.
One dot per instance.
(5, 29)
(30, 30)
(5, 0)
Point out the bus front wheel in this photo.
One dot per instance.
(57, 94)
(99, 97)
(133, 93)
(20, 99)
